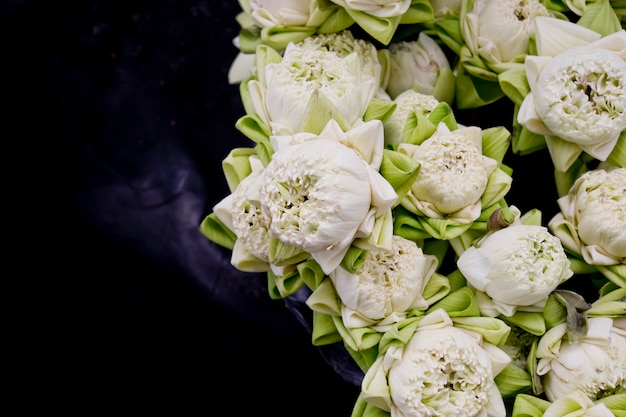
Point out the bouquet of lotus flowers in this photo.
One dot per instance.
(367, 192)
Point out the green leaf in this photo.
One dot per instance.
(214, 230)
(379, 109)
(512, 381)
(600, 17)
(324, 331)
(420, 11)
(236, 166)
(532, 322)
(353, 259)
(529, 406)
(319, 111)
(514, 84)
(278, 37)
(617, 157)
(399, 170)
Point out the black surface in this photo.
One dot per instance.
(122, 113)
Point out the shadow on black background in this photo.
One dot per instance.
(124, 114)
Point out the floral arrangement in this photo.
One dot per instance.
(364, 190)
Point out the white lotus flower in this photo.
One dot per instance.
(246, 220)
(415, 65)
(515, 268)
(283, 92)
(441, 371)
(595, 365)
(453, 173)
(592, 221)
(499, 30)
(270, 13)
(378, 8)
(407, 103)
(577, 97)
(388, 285)
(321, 194)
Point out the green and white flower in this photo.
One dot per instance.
(320, 194)
(246, 220)
(499, 30)
(595, 365)
(420, 65)
(515, 268)
(441, 371)
(270, 13)
(308, 80)
(577, 96)
(379, 8)
(592, 220)
(444, 8)
(408, 103)
(453, 174)
(388, 285)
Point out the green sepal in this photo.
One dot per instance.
(358, 339)
(236, 166)
(281, 286)
(443, 113)
(363, 358)
(496, 142)
(617, 157)
(616, 403)
(405, 224)
(420, 11)
(418, 128)
(265, 55)
(438, 248)
(600, 17)
(282, 254)
(492, 329)
(459, 303)
(249, 39)
(526, 142)
(324, 332)
(319, 111)
(324, 299)
(278, 37)
(253, 128)
(379, 109)
(449, 31)
(379, 28)
(399, 170)
(529, 406)
(472, 92)
(554, 313)
(615, 273)
(444, 85)
(364, 409)
(264, 151)
(512, 380)
(564, 180)
(611, 304)
(532, 322)
(514, 84)
(213, 229)
(436, 288)
(457, 281)
(311, 273)
(354, 259)
(414, 227)
(337, 19)
(475, 66)
(399, 334)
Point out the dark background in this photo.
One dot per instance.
(120, 114)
